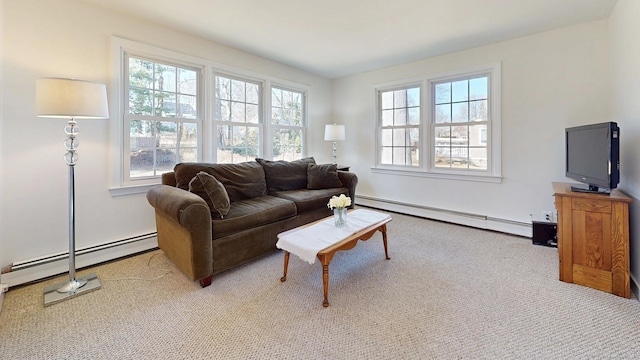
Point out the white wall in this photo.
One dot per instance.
(549, 81)
(71, 39)
(625, 92)
(4, 255)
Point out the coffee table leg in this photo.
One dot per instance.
(286, 265)
(325, 283)
(383, 230)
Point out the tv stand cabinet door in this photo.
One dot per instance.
(593, 240)
(591, 243)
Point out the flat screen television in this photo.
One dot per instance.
(592, 156)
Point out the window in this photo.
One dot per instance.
(460, 118)
(170, 107)
(287, 123)
(400, 126)
(238, 120)
(161, 116)
(444, 126)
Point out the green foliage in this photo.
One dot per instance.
(145, 88)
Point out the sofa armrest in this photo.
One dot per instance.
(349, 180)
(183, 222)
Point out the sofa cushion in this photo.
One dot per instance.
(308, 200)
(242, 181)
(286, 175)
(250, 213)
(323, 176)
(212, 191)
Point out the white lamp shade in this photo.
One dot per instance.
(67, 98)
(333, 132)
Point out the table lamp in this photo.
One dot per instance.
(333, 132)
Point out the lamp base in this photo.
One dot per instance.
(61, 291)
(72, 286)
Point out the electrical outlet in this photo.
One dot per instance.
(547, 216)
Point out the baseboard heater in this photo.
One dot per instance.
(30, 270)
(452, 216)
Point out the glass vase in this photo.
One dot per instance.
(340, 217)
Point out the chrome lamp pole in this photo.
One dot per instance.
(71, 99)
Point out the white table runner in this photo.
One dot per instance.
(307, 241)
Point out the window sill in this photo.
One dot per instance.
(130, 190)
(434, 175)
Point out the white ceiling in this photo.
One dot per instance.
(335, 38)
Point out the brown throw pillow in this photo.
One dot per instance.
(213, 192)
(323, 176)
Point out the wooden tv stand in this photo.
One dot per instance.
(593, 239)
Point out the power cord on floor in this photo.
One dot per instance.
(143, 279)
(140, 279)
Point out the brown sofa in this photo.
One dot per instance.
(212, 217)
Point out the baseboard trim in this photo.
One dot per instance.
(452, 216)
(35, 269)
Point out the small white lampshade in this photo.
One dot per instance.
(70, 98)
(333, 132)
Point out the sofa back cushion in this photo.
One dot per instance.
(286, 175)
(242, 181)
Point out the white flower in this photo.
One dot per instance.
(339, 202)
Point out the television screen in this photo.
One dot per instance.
(592, 155)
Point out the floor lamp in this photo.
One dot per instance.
(333, 132)
(71, 99)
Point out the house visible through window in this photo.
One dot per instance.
(460, 117)
(162, 116)
(445, 126)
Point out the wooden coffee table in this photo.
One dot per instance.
(361, 225)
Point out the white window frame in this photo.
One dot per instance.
(121, 185)
(380, 127)
(261, 110)
(271, 127)
(128, 117)
(493, 173)
(266, 149)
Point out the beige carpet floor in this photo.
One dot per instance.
(448, 292)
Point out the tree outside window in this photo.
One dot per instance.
(238, 120)
(162, 116)
(287, 123)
